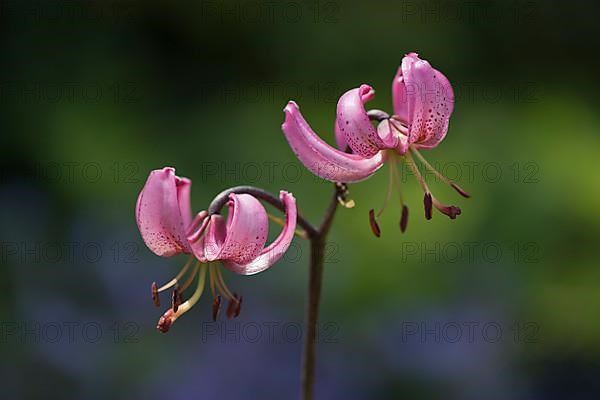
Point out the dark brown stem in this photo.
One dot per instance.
(221, 199)
(318, 240)
(315, 279)
(377, 115)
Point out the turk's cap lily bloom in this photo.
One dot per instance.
(164, 218)
(423, 103)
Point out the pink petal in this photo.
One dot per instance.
(245, 233)
(354, 123)
(159, 212)
(198, 231)
(271, 254)
(438, 118)
(184, 188)
(423, 99)
(319, 157)
(209, 246)
(400, 96)
(340, 138)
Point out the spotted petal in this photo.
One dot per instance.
(424, 99)
(272, 253)
(246, 231)
(163, 212)
(319, 157)
(354, 123)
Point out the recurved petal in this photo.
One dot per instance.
(340, 138)
(438, 118)
(159, 212)
(354, 123)
(400, 97)
(430, 101)
(319, 157)
(246, 231)
(184, 187)
(272, 253)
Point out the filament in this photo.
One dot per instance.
(444, 179)
(211, 270)
(221, 284)
(178, 277)
(411, 164)
(429, 166)
(189, 303)
(190, 279)
(396, 175)
(389, 191)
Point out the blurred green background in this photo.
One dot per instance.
(501, 303)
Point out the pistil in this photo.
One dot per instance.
(170, 316)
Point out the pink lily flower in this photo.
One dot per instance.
(423, 103)
(164, 218)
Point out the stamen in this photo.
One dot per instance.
(454, 186)
(176, 299)
(450, 211)
(155, 297)
(168, 318)
(396, 174)
(216, 307)
(404, 219)
(389, 190)
(234, 307)
(416, 172)
(178, 277)
(211, 272)
(428, 201)
(373, 222)
(221, 284)
(428, 198)
(190, 278)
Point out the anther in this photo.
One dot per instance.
(166, 321)
(404, 219)
(234, 306)
(216, 307)
(155, 297)
(176, 299)
(428, 202)
(374, 224)
(450, 211)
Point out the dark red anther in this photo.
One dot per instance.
(239, 307)
(155, 297)
(374, 224)
(453, 212)
(404, 219)
(460, 190)
(176, 299)
(428, 202)
(450, 211)
(233, 308)
(166, 321)
(216, 307)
